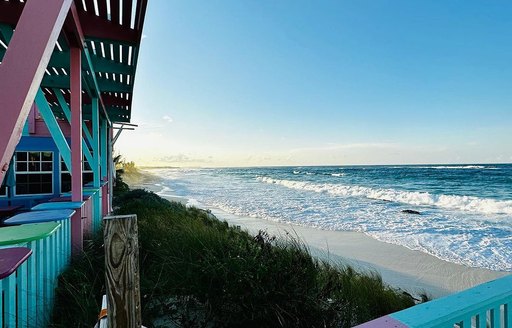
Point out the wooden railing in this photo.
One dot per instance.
(488, 305)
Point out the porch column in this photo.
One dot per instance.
(111, 167)
(95, 143)
(76, 145)
(104, 167)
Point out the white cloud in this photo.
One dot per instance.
(182, 158)
(167, 118)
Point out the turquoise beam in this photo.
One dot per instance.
(53, 127)
(88, 136)
(63, 104)
(87, 152)
(67, 113)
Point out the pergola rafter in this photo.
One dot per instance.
(110, 37)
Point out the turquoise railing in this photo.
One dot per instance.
(92, 209)
(13, 286)
(95, 207)
(50, 242)
(488, 305)
(46, 231)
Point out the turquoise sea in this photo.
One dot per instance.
(465, 211)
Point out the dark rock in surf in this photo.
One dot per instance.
(411, 212)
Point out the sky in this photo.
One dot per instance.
(302, 82)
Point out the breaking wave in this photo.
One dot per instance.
(453, 202)
(338, 174)
(457, 167)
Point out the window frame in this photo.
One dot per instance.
(29, 172)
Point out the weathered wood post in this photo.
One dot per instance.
(122, 271)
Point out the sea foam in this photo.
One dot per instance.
(453, 202)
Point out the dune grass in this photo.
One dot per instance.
(197, 271)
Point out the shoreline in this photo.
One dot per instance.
(412, 271)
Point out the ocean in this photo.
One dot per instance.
(465, 211)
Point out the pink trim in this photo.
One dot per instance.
(111, 169)
(22, 69)
(104, 199)
(77, 236)
(41, 129)
(383, 322)
(87, 213)
(76, 124)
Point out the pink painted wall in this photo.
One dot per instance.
(41, 130)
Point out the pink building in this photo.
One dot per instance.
(67, 70)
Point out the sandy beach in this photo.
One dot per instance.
(413, 271)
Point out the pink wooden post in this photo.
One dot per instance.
(76, 146)
(22, 69)
(111, 168)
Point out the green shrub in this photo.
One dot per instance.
(197, 271)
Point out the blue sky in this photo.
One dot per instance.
(282, 82)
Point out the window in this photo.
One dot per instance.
(65, 176)
(34, 172)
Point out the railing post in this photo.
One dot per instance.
(122, 271)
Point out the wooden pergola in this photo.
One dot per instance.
(74, 63)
